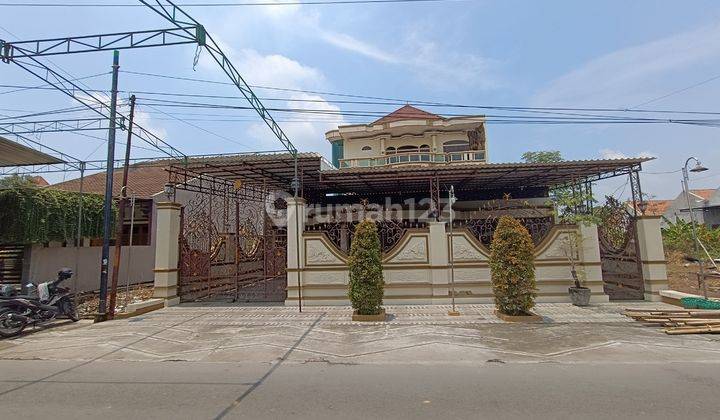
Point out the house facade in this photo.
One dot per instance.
(246, 229)
(705, 203)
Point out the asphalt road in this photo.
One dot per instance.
(321, 390)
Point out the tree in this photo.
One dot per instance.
(567, 199)
(17, 181)
(512, 268)
(365, 264)
(542, 156)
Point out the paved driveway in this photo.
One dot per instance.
(415, 334)
(272, 362)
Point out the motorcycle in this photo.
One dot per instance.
(51, 301)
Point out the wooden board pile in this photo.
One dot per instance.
(679, 321)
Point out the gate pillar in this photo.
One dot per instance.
(167, 234)
(295, 249)
(652, 256)
(591, 262)
(439, 262)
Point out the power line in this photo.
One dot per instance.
(228, 4)
(675, 92)
(373, 100)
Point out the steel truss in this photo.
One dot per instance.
(187, 31)
(58, 126)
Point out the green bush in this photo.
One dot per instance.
(365, 264)
(678, 237)
(512, 267)
(31, 215)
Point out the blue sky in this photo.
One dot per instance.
(514, 53)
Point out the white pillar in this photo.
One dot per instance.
(295, 248)
(167, 252)
(439, 262)
(652, 256)
(590, 261)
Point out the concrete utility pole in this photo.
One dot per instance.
(107, 209)
(122, 204)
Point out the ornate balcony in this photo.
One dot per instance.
(415, 158)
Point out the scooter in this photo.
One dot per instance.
(51, 301)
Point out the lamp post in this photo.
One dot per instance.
(451, 201)
(698, 168)
(169, 191)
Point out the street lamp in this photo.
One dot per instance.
(697, 168)
(169, 190)
(451, 201)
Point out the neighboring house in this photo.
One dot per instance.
(705, 203)
(406, 136)
(146, 184)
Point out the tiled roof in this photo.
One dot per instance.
(407, 112)
(656, 207)
(144, 181)
(704, 193)
(39, 181)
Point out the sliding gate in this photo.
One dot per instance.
(230, 249)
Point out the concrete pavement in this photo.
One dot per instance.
(271, 362)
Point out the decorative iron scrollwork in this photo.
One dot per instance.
(484, 229)
(390, 231)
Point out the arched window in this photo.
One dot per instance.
(407, 149)
(456, 146)
(425, 148)
(390, 150)
(366, 148)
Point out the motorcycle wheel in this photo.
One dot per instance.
(10, 327)
(70, 310)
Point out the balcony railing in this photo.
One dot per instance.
(414, 157)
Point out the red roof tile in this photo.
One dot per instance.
(39, 181)
(144, 181)
(705, 193)
(407, 112)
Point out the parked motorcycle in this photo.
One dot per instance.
(49, 302)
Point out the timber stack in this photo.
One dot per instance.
(679, 321)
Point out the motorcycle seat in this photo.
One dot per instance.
(19, 297)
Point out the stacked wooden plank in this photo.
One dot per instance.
(679, 321)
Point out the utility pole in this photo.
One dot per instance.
(107, 210)
(119, 236)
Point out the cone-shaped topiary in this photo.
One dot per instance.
(512, 267)
(365, 264)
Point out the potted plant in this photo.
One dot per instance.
(366, 286)
(512, 268)
(579, 295)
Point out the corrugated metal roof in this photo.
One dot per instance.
(15, 154)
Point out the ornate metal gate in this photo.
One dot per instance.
(619, 256)
(230, 249)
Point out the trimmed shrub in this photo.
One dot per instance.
(512, 267)
(365, 264)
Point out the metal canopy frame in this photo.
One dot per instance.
(469, 177)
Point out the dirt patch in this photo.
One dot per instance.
(683, 277)
(88, 302)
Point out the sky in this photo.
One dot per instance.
(658, 55)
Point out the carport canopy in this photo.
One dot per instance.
(15, 154)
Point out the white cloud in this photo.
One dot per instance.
(626, 77)
(444, 67)
(307, 132)
(349, 43)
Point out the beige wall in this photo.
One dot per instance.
(417, 270)
(45, 263)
